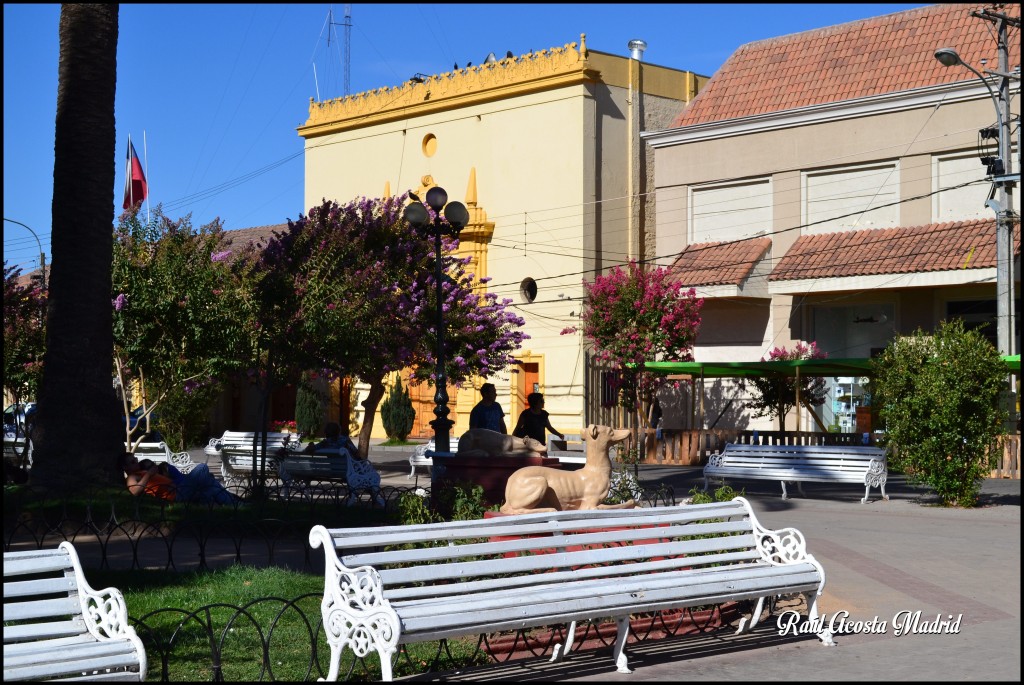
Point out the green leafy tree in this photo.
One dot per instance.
(397, 412)
(179, 319)
(938, 398)
(309, 407)
(775, 396)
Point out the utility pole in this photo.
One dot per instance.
(1003, 182)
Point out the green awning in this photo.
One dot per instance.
(807, 367)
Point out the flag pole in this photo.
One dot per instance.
(145, 158)
(128, 173)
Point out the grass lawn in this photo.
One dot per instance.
(238, 613)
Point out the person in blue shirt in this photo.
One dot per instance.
(488, 413)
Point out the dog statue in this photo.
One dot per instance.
(543, 489)
(480, 442)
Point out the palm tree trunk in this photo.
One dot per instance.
(78, 434)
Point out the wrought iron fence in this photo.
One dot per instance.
(271, 638)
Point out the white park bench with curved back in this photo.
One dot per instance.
(57, 627)
(466, 578)
(863, 465)
(158, 452)
(236, 455)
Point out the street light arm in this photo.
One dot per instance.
(991, 94)
(42, 258)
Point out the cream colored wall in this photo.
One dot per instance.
(531, 173)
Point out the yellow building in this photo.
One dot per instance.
(544, 149)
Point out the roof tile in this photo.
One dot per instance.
(728, 263)
(934, 247)
(873, 56)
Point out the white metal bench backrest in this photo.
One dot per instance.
(74, 632)
(833, 461)
(709, 535)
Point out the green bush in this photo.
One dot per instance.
(722, 494)
(309, 408)
(938, 399)
(397, 412)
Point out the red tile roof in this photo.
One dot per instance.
(261, 234)
(718, 263)
(935, 247)
(873, 56)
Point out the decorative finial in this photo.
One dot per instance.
(583, 44)
(471, 188)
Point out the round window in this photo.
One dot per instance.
(429, 145)
(528, 289)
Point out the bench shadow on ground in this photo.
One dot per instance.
(597, 664)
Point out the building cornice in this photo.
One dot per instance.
(509, 77)
(930, 96)
(922, 279)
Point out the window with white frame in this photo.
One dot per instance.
(851, 198)
(957, 204)
(968, 202)
(730, 211)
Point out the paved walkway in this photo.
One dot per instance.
(880, 558)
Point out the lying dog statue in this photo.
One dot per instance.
(480, 442)
(542, 488)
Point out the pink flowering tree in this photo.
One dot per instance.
(632, 316)
(349, 290)
(775, 396)
(179, 321)
(24, 335)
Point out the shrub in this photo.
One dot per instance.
(397, 412)
(309, 408)
(938, 399)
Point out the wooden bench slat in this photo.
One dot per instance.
(610, 550)
(50, 584)
(43, 631)
(610, 592)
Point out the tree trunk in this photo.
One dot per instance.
(369, 414)
(78, 434)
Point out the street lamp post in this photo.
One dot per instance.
(419, 218)
(1000, 171)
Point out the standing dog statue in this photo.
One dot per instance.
(542, 488)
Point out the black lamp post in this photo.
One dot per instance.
(419, 218)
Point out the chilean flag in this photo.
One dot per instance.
(135, 187)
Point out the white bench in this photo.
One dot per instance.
(467, 578)
(304, 469)
(159, 452)
(14, 445)
(420, 458)
(57, 627)
(798, 463)
(236, 456)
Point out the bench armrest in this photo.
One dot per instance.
(105, 611)
(877, 473)
(355, 613)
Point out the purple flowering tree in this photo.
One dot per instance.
(349, 290)
(775, 396)
(24, 335)
(632, 316)
(179, 316)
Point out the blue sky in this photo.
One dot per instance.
(219, 90)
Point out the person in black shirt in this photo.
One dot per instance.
(534, 420)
